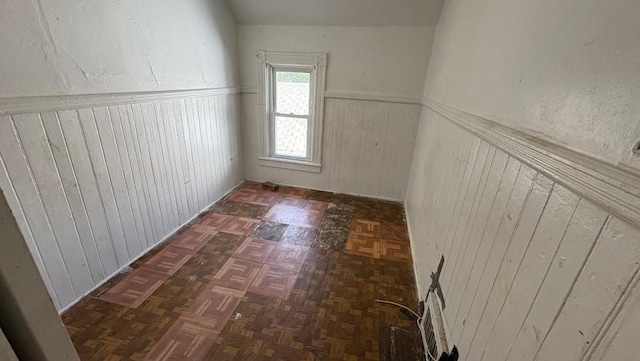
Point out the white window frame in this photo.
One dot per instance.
(268, 64)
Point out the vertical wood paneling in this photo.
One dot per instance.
(367, 148)
(94, 188)
(74, 196)
(536, 262)
(17, 178)
(578, 240)
(532, 270)
(510, 220)
(484, 156)
(103, 181)
(88, 187)
(39, 159)
(485, 240)
(605, 277)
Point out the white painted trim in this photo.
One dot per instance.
(165, 239)
(372, 97)
(63, 102)
(317, 64)
(419, 290)
(249, 90)
(615, 188)
(289, 164)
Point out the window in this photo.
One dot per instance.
(290, 92)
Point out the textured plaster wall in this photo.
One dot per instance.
(57, 47)
(561, 70)
(380, 60)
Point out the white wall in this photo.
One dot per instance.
(532, 271)
(563, 70)
(379, 60)
(96, 180)
(53, 47)
(367, 145)
(535, 269)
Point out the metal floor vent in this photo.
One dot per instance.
(432, 328)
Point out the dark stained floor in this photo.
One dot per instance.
(286, 275)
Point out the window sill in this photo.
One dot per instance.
(289, 164)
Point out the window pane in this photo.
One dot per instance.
(292, 92)
(291, 137)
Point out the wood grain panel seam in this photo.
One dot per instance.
(544, 278)
(612, 316)
(515, 275)
(502, 259)
(46, 275)
(573, 284)
(41, 202)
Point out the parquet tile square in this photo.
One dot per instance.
(241, 226)
(287, 256)
(215, 302)
(274, 281)
(293, 215)
(237, 274)
(363, 246)
(395, 250)
(168, 261)
(300, 303)
(309, 205)
(134, 289)
(211, 222)
(256, 197)
(190, 338)
(190, 240)
(366, 228)
(253, 249)
(394, 232)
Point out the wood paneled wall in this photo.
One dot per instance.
(533, 271)
(94, 187)
(367, 148)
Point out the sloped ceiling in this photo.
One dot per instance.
(337, 12)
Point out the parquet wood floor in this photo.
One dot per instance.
(286, 275)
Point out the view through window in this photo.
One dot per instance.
(291, 113)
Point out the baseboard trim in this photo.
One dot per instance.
(419, 291)
(614, 188)
(21, 105)
(155, 245)
(386, 199)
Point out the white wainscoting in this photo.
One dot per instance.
(95, 181)
(541, 246)
(367, 146)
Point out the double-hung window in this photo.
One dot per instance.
(290, 92)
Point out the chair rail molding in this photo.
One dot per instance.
(613, 187)
(371, 97)
(21, 105)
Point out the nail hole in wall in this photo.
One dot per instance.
(636, 148)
